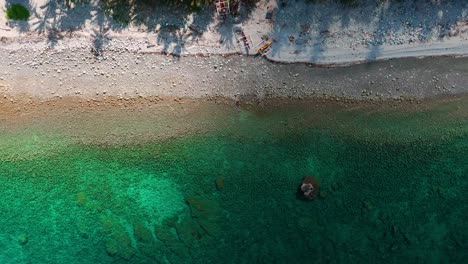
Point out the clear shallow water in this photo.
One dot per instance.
(393, 189)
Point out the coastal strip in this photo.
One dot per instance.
(77, 72)
(317, 32)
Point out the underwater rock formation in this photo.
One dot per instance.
(219, 183)
(168, 236)
(207, 213)
(117, 240)
(189, 231)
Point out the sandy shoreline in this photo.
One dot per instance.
(319, 33)
(50, 56)
(77, 72)
(112, 121)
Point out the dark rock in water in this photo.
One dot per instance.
(23, 239)
(335, 186)
(308, 189)
(171, 221)
(84, 235)
(142, 233)
(170, 239)
(154, 250)
(166, 235)
(121, 247)
(188, 231)
(118, 241)
(219, 183)
(112, 248)
(206, 212)
(81, 198)
(323, 194)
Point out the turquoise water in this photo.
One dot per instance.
(393, 189)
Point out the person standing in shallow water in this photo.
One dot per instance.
(309, 188)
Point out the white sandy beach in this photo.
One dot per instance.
(321, 33)
(79, 51)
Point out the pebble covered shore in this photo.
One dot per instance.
(77, 72)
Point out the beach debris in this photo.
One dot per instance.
(460, 28)
(269, 13)
(309, 188)
(241, 36)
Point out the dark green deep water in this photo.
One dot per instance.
(394, 185)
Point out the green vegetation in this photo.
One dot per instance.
(17, 12)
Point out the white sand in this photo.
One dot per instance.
(301, 32)
(81, 52)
